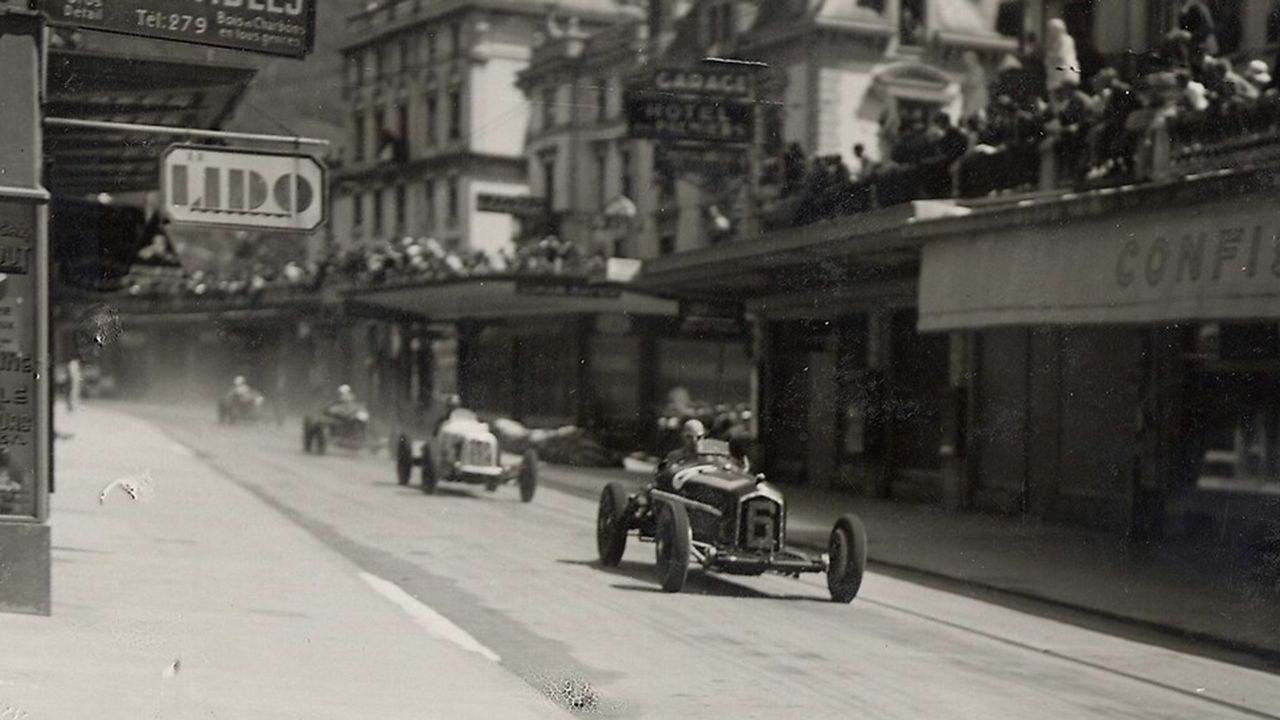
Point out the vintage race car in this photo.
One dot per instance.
(465, 450)
(237, 407)
(348, 430)
(707, 508)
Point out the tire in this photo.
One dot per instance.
(848, 552)
(672, 542)
(306, 435)
(429, 479)
(611, 525)
(404, 460)
(322, 439)
(528, 475)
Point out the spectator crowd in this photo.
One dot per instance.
(371, 264)
(1041, 107)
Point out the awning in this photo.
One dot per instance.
(90, 85)
(1217, 260)
(500, 297)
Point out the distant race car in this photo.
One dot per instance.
(237, 407)
(465, 450)
(707, 508)
(346, 426)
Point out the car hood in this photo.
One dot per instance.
(734, 482)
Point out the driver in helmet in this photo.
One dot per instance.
(346, 406)
(451, 403)
(240, 390)
(690, 434)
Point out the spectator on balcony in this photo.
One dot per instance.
(912, 147)
(1061, 63)
(1194, 95)
(1197, 19)
(1259, 75)
(860, 166)
(949, 143)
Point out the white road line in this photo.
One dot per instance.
(430, 620)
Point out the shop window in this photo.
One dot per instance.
(432, 119)
(357, 212)
(455, 113)
(429, 205)
(400, 208)
(628, 188)
(358, 139)
(453, 201)
(1233, 420)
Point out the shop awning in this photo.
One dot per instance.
(1200, 250)
(92, 85)
(497, 296)
(853, 258)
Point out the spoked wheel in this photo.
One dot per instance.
(404, 460)
(429, 478)
(611, 525)
(528, 475)
(672, 543)
(848, 551)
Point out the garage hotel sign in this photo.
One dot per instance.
(271, 27)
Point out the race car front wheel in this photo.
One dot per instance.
(404, 460)
(611, 525)
(672, 543)
(528, 475)
(848, 558)
(428, 471)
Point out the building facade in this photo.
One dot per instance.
(435, 118)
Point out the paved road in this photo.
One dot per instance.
(522, 581)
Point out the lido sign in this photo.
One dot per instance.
(223, 187)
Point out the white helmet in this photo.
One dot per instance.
(238, 381)
(694, 430)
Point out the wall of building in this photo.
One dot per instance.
(1053, 426)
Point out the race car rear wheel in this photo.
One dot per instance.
(528, 475)
(404, 460)
(848, 558)
(429, 478)
(672, 543)
(611, 525)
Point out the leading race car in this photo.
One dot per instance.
(706, 507)
(465, 450)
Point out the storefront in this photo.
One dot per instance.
(1124, 352)
(849, 393)
(548, 351)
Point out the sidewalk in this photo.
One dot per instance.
(1067, 566)
(195, 600)
(1064, 565)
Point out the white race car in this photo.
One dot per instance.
(465, 450)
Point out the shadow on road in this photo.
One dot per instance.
(699, 583)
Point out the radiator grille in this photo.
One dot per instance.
(760, 518)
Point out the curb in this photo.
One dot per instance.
(1267, 656)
